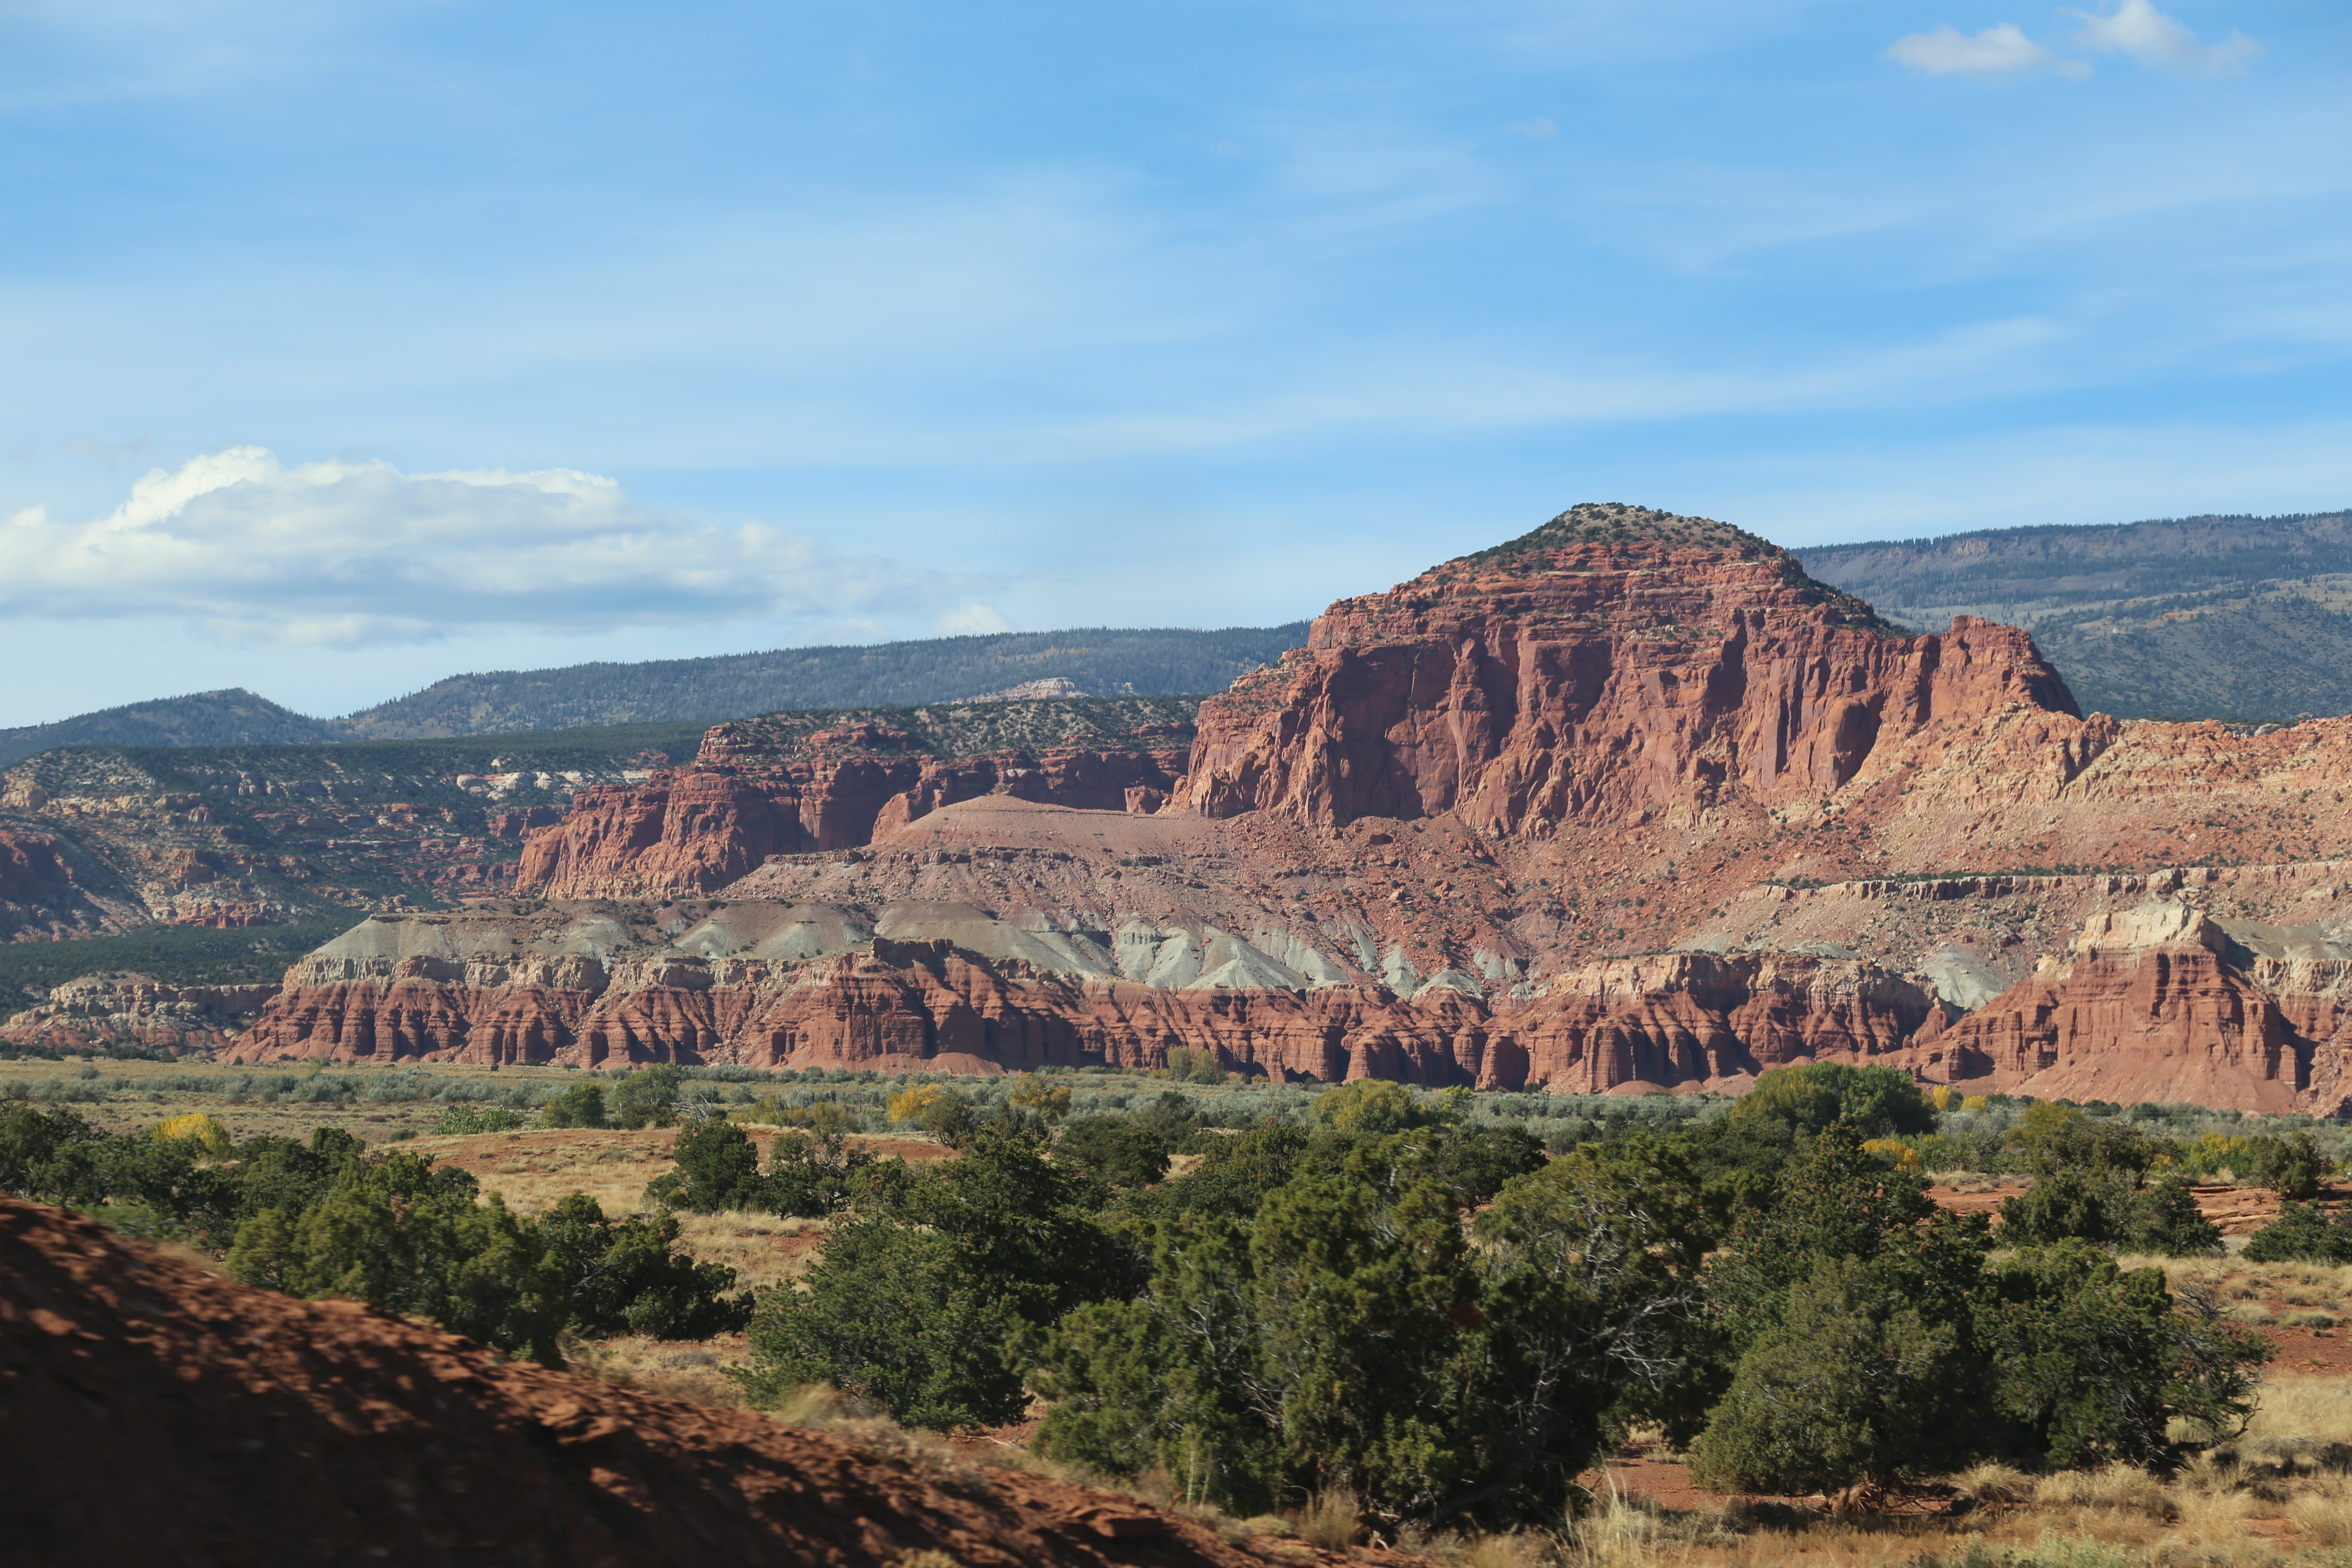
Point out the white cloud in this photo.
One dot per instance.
(968, 620)
(2137, 29)
(1997, 51)
(347, 555)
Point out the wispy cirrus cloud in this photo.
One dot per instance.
(2001, 50)
(343, 554)
(2138, 31)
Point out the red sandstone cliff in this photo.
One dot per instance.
(2158, 1002)
(1692, 1018)
(1577, 676)
(1454, 827)
(137, 1010)
(695, 829)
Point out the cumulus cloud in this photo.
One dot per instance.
(345, 555)
(1997, 51)
(970, 619)
(2137, 30)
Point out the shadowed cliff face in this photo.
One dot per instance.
(1628, 803)
(1609, 663)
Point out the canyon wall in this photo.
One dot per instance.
(1580, 678)
(694, 828)
(1626, 803)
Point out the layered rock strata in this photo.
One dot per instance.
(815, 988)
(1626, 803)
(696, 828)
(138, 1010)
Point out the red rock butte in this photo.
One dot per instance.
(1627, 804)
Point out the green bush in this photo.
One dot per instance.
(2292, 1166)
(1116, 1151)
(814, 1173)
(718, 1168)
(582, 1105)
(1342, 1332)
(469, 1117)
(413, 1240)
(2301, 1234)
(1878, 1102)
(921, 1288)
(648, 1096)
(624, 1275)
(2090, 1363)
(1851, 1385)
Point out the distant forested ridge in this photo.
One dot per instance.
(231, 718)
(1095, 661)
(2233, 617)
(1101, 661)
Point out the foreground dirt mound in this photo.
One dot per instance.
(155, 1413)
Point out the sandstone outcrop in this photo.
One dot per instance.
(102, 1010)
(1575, 675)
(1627, 802)
(2159, 1001)
(959, 991)
(692, 829)
(158, 1413)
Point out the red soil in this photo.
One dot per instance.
(157, 1413)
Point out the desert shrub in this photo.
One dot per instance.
(2301, 1234)
(44, 1155)
(197, 1129)
(924, 1281)
(1852, 1384)
(2090, 1362)
(648, 1096)
(718, 1168)
(2291, 1166)
(412, 1239)
(1049, 1101)
(937, 1111)
(581, 1105)
(1234, 1178)
(1372, 1105)
(473, 1117)
(1189, 1066)
(2053, 1138)
(625, 1276)
(2163, 1218)
(1341, 1337)
(815, 1173)
(1879, 1102)
(1116, 1151)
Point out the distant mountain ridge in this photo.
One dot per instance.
(2235, 618)
(1095, 661)
(234, 717)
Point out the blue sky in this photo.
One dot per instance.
(349, 347)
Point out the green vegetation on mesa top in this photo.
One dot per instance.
(178, 955)
(693, 693)
(369, 764)
(1102, 661)
(973, 729)
(2229, 617)
(1603, 522)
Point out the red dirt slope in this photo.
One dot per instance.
(155, 1413)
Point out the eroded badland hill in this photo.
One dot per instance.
(1629, 801)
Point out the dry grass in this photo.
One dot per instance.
(2119, 1488)
(675, 1369)
(1993, 1485)
(1332, 1520)
(764, 1249)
